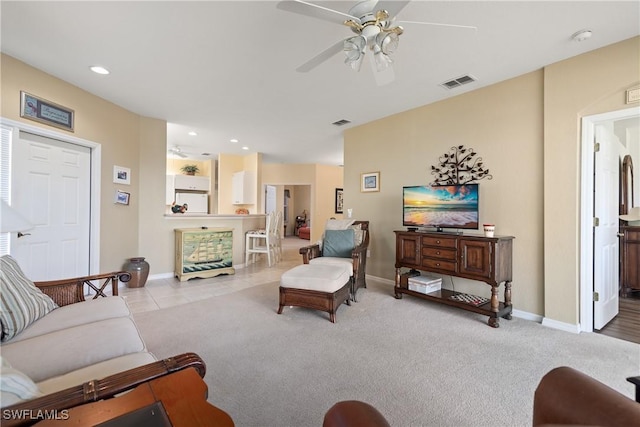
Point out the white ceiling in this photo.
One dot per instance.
(226, 69)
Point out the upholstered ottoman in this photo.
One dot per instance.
(304, 233)
(320, 287)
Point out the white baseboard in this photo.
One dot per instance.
(160, 276)
(567, 327)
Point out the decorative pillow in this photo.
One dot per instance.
(15, 386)
(338, 243)
(21, 302)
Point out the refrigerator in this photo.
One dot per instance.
(196, 202)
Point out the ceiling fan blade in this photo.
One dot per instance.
(393, 7)
(321, 57)
(471, 27)
(316, 11)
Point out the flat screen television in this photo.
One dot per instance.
(440, 206)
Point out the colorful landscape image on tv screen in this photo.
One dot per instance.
(443, 206)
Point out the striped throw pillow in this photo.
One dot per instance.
(15, 386)
(21, 302)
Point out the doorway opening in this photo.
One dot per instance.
(625, 124)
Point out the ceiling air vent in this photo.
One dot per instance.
(458, 81)
(341, 122)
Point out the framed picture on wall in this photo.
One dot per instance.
(370, 182)
(122, 197)
(121, 175)
(339, 202)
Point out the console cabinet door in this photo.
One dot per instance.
(476, 259)
(408, 250)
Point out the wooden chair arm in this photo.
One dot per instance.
(95, 390)
(310, 252)
(70, 291)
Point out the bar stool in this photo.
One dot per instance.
(261, 242)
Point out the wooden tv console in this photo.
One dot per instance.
(487, 259)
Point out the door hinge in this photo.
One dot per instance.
(596, 147)
(596, 221)
(596, 296)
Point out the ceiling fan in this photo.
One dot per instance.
(373, 22)
(176, 151)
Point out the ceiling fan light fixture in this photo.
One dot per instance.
(382, 60)
(354, 51)
(388, 42)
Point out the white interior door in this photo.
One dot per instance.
(51, 187)
(606, 242)
(270, 198)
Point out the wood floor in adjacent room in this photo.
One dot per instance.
(626, 325)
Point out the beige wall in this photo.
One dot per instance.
(503, 123)
(587, 84)
(527, 132)
(117, 130)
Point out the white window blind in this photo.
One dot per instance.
(5, 178)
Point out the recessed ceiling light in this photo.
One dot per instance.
(582, 35)
(233, 140)
(192, 133)
(245, 148)
(99, 70)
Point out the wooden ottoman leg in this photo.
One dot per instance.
(282, 299)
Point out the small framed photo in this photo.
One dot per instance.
(339, 203)
(370, 182)
(121, 175)
(122, 197)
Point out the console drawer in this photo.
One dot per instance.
(440, 253)
(445, 242)
(440, 265)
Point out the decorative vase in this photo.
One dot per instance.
(139, 270)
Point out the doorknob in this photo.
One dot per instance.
(20, 234)
(620, 234)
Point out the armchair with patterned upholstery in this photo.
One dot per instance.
(344, 241)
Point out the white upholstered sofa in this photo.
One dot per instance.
(52, 339)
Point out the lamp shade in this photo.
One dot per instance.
(11, 220)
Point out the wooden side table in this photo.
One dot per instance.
(183, 395)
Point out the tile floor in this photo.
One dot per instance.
(163, 293)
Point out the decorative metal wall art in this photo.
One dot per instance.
(459, 166)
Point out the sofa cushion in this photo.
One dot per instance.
(95, 371)
(63, 351)
(338, 243)
(21, 302)
(76, 314)
(15, 386)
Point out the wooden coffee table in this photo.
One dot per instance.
(183, 396)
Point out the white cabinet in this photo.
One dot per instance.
(244, 188)
(190, 182)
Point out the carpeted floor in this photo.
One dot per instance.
(419, 363)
